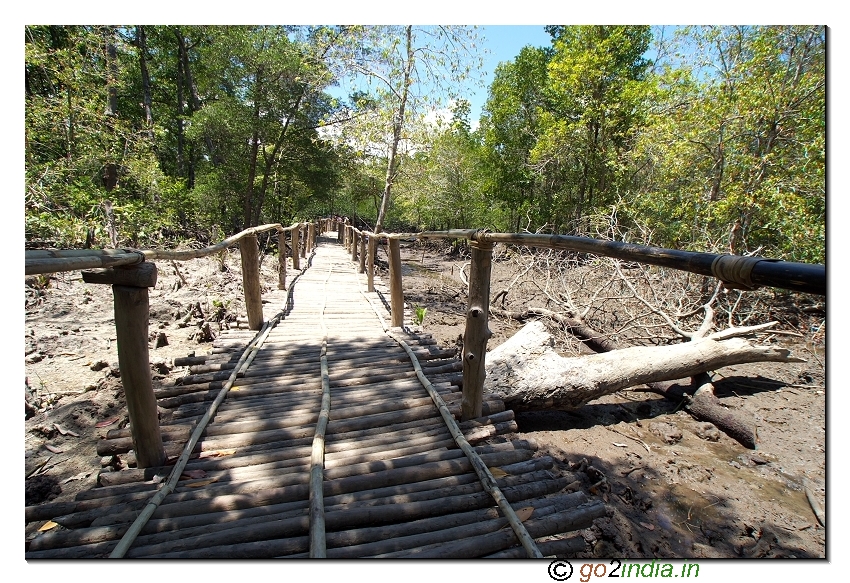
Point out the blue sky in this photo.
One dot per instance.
(504, 43)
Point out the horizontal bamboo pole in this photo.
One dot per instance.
(407, 432)
(562, 548)
(372, 475)
(190, 526)
(52, 261)
(478, 546)
(154, 503)
(259, 510)
(802, 277)
(232, 542)
(445, 529)
(53, 265)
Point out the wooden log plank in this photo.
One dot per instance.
(259, 492)
(441, 529)
(479, 546)
(235, 539)
(141, 275)
(219, 521)
(562, 548)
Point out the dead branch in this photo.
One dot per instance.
(527, 373)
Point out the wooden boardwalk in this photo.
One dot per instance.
(395, 483)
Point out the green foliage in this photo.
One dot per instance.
(219, 312)
(511, 126)
(718, 145)
(742, 144)
(419, 314)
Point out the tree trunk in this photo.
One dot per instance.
(398, 125)
(142, 45)
(194, 102)
(181, 171)
(248, 208)
(528, 374)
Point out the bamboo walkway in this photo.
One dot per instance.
(393, 483)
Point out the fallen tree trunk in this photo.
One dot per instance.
(528, 374)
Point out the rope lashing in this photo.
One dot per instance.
(735, 271)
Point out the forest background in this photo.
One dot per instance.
(706, 138)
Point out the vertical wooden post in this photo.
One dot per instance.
(339, 231)
(396, 291)
(249, 250)
(132, 313)
(281, 259)
(311, 236)
(295, 253)
(354, 244)
(303, 232)
(370, 265)
(477, 332)
(362, 253)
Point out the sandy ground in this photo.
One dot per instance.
(675, 487)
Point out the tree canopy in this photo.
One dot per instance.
(712, 139)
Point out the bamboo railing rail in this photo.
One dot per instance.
(54, 261)
(131, 300)
(735, 271)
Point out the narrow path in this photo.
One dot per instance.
(393, 483)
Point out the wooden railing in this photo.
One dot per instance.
(131, 272)
(738, 272)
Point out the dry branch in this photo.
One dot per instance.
(528, 374)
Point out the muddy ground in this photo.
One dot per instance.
(675, 486)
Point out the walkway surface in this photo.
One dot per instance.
(394, 483)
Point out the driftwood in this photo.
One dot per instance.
(527, 373)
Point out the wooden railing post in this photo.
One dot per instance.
(340, 226)
(281, 259)
(295, 252)
(396, 291)
(311, 236)
(477, 331)
(303, 232)
(354, 244)
(132, 313)
(362, 253)
(249, 250)
(370, 265)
